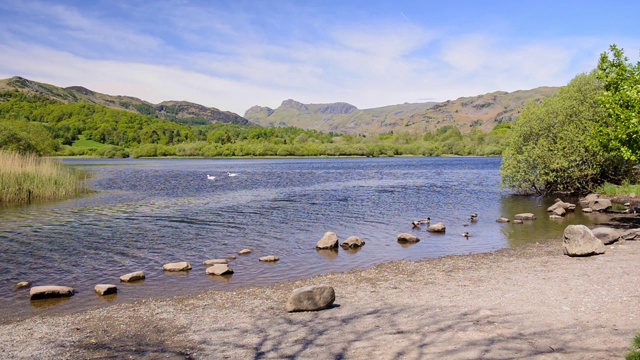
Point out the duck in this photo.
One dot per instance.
(465, 234)
(474, 217)
(232, 174)
(425, 221)
(415, 224)
(209, 177)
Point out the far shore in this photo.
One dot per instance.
(526, 302)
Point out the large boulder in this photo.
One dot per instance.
(352, 242)
(600, 204)
(606, 235)
(525, 216)
(437, 228)
(328, 241)
(219, 269)
(177, 266)
(134, 276)
(50, 291)
(407, 238)
(311, 298)
(580, 241)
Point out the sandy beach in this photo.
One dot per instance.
(529, 302)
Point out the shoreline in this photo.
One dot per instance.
(529, 301)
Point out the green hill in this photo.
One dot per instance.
(176, 111)
(482, 111)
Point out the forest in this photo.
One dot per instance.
(37, 124)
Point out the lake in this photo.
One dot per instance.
(148, 212)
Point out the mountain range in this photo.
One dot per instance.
(482, 111)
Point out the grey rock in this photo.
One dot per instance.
(631, 234)
(311, 298)
(502, 220)
(555, 217)
(328, 241)
(22, 285)
(269, 258)
(518, 221)
(580, 241)
(437, 228)
(177, 266)
(352, 242)
(134, 276)
(587, 210)
(407, 238)
(600, 204)
(606, 234)
(525, 216)
(50, 291)
(244, 252)
(585, 201)
(215, 261)
(219, 269)
(559, 211)
(105, 289)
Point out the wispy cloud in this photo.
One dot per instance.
(233, 55)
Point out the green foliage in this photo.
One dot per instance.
(608, 189)
(92, 130)
(634, 354)
(621, 99)
(553, 145)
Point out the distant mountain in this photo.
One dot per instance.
(178, 111)
(483, 111)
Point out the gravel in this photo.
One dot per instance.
(527, 302)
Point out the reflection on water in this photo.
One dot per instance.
(150, 212)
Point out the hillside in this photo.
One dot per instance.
(177, 111)
(483, 111)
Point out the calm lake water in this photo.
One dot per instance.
(150, 212)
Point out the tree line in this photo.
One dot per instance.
(34, 123)
(586, 135)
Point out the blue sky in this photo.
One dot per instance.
(236, 54)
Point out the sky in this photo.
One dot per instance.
(235, 54)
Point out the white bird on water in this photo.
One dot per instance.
(209, 177)
(231, 174)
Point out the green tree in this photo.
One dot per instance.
(554, 145)
(621, 99)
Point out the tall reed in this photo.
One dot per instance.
(27, 178)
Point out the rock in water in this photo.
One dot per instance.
(177, 266)
(106, 289)
(215, 261)
(134, 276)
(50, 291)
(407, 238)
(352, 242)
(311, 298)
(580, 241)
(219, 269)
(269, 258)
(437, 228)
(525, 216)
(328, 241)
(244, 252)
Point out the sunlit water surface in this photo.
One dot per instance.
(150, 212)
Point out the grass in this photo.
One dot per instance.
(82, 142)
(28, 178)
(635, 353)
(613, 190)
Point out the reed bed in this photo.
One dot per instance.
(29, 178)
